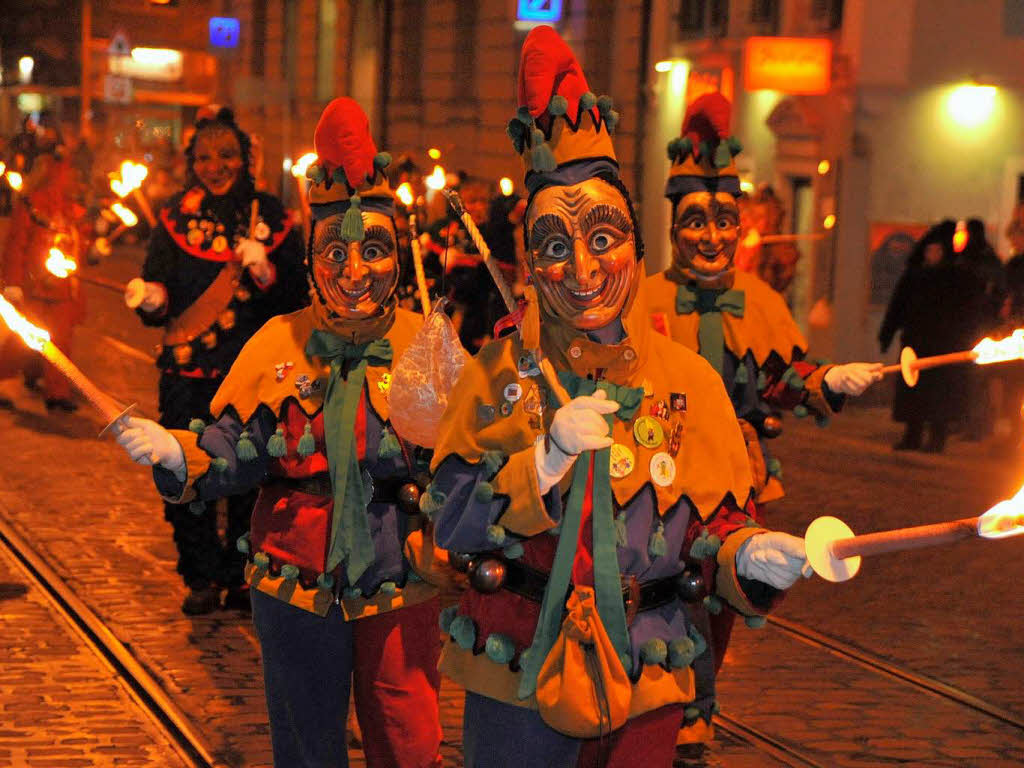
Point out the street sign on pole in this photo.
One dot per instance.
(119, 45)
(117, 89)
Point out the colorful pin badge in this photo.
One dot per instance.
(534, 403)
(659, 409)
(675, 439)
(663, 469)
(677, 401)
(648, 432)
(527, 366)
(506, 408)
(621, 460)
(262, 231)
(513, 392)
(384, 385)
(281, 369)
(305, 385)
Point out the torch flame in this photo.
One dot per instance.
(35, 337)
(404, 193)
(3, 167)
(990, 351)
(752, 239)
(299, 166)
(125, 214)
(131, 177)
(437, 179)
(15, 180)
(960, 236)
(59, 265)
(1005, 519)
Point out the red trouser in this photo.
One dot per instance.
(649, 740)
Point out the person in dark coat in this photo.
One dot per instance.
(222, 260)
(934, 307)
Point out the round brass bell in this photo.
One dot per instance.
(487, 575)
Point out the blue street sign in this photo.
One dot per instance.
(224, 31)
(549, 11)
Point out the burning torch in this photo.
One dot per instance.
(38, 339)
(298, 171)
(834, 552)
(129, 181)
(985, 352)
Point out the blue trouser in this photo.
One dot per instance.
(499, 735)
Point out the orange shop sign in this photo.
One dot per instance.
(788, 64)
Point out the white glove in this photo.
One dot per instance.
(852, 378)
(148, 296)
(774, 557)
(148, 443)
(254, 258)
(578, 426)
(14, 294)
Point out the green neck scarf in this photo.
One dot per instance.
(607, 583)
(710, 304)
(350, 530)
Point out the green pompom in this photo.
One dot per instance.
(700, 644)
(388, 587)
(722, 155)
(220, 464)
(389, 446)
(800, 411)
(381, 160)
(427, 504)
(713, 544)
(325, 581)
(587, 100)
(351, 593)
(307, 443)
(446, 617)
(611, 120)
(290, 572)
(755, 622)
(484, 492)
(681, 652)
(703, 149)
(654, 651)
(762, 381)
(742, 374)
(276, 445)
(605, 104)
(793, 379)
(699, 548)
(242, 543)
(339, 177)
(496, 535)
(261, 560)
(774, 468)
(734, 145)
(656, 546)
(517, 133)
(352, 225)
(558, 105)
(513, 551)
(675, 148)
(315, 173)
(197, 508)
(685, 145)
(244, 448)
(197, 426)
(523, 116)
(691, 714)
(499, 648)
(542, 158)
(463, 632)
(621, 534)
(712, 605)
(493, 460)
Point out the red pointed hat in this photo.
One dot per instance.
(560, 123)
(702, 156)
(348, 163)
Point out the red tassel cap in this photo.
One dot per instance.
(342, 140)
(548, 67)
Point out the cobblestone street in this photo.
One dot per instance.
(951, 614)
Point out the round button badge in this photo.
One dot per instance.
(663, 469)
(513, 392)
(621, 461)
(648, 432)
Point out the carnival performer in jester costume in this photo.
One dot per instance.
(303, 414)
(733, 319)
(575, 499)
(222, 260)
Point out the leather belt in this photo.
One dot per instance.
(530, 583)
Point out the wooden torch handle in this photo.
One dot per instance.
(905, 538)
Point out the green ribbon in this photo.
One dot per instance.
(710, 305)
(607, 583)
(350, 529)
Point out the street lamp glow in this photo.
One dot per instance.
(25, 66)
(157, 57)
(829, 222)
(824, 167)
(663, 66)
(434, 153)
(506, 185)
(971, 105)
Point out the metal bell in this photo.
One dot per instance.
(460, 561)
(771, 427)
(487, 575)
(690, 586)
(409, 498)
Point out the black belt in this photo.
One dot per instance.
(530, 583)
(385, 490)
